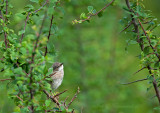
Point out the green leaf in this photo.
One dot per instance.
(1, 43)
(13, 56)
(57, 109)
(47, 102)
(146, 50)
(36, 1)
(90, 9)
(50, 71)
(39, 108)
(50, 48)
(45, 70)
(94, 11)
(133, 42)
(8, 72)
(19, 71)
(83, 16)
(156, 65)
(40, 2)
(29, 6)
(21, 32)
(157, 108)
(100, 14)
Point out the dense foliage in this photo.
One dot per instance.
(93, 61)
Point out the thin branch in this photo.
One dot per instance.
(51, 97)
(149, 41)
(22, 101)
(139, 70)
(27, 18)
(5, 33)
(5, 79)
(64, 103)
(134, 81)
(72, 111)
(89, 17)
(130, 23)
(136, 29)
(75, 96)
(154, 84)
(60, 93)
(49, 34)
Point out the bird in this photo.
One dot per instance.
(58, 75)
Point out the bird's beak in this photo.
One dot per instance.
(61, 64)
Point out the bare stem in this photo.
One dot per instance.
(75, 96)
(134, 81)
(49, 34)
(5, 79)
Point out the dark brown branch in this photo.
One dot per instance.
(60, 93)
(136, 29)
(51, 97)
(139, 70)
(22, 101)
(154, 84)
(72, 111)
(130, 23)
(149, 41)
(5, 79)
(64, 103)
(27, 18)
(75, 96)
(5, 20)
(49, 34)
(134, 81)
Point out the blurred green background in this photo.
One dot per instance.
(95, 60)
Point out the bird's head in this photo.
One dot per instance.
(57, 66)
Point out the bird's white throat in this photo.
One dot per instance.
(60, 68)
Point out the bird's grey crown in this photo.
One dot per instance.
(56, 65)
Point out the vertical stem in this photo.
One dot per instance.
(32, 61)
(49, 34)
(154, 84)
(5, 33)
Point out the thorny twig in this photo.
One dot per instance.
(134, 81)
(64, 103)
(75, 96)
(60, 93)
(130, 23)
(139, 70)
(49, 34)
